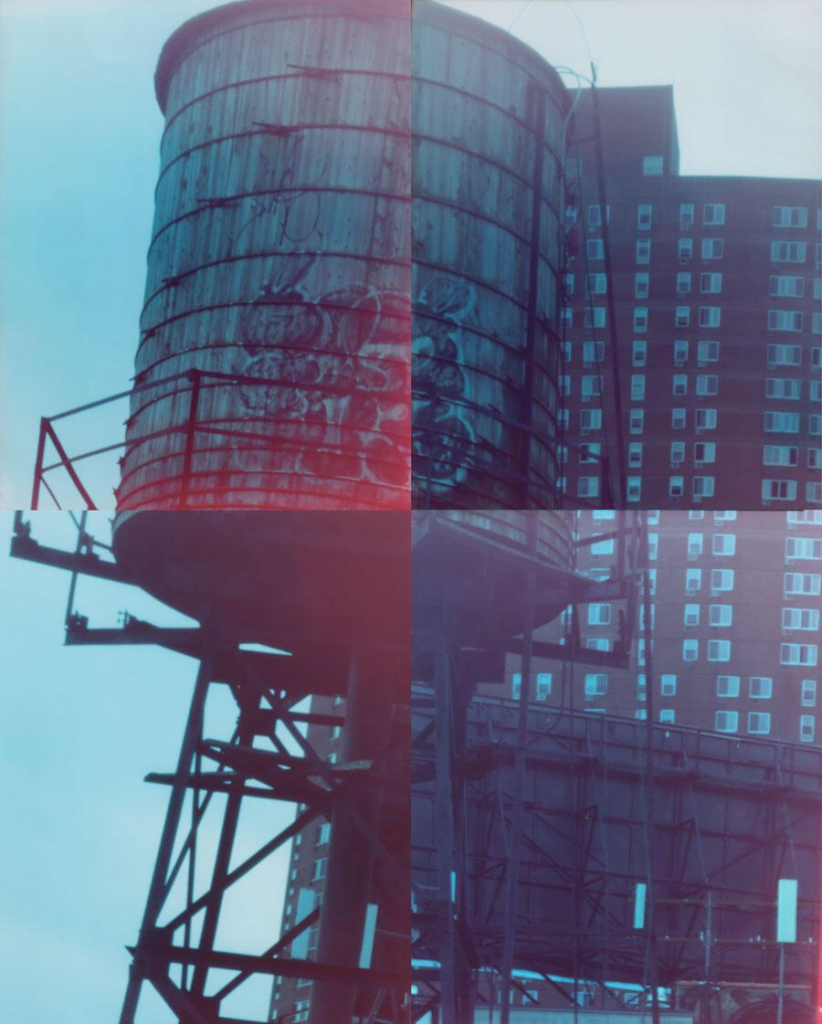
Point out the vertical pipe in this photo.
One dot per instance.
(649, 776)
(612, 324)
(512, 872)
(157, 889)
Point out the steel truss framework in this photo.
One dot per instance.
(533, 825)
(266, 757)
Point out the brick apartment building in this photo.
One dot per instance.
(735, 625)
(715, 311)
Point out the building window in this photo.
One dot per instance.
(727, 721)
(588, 487)
(589, 452)
(693, 580)
(566, 316)
(691, 615)
(682, 316)
(787, 287)
(642, 285)
(637, 387)
(639, 353)
(705, 419)
(787, 320)
(703, 486)
(690, 650)
(727, 686)
(589, 386)
(680, 352)
(802, 583)
(815, 425)
(798, 654)
(805, 619)
(710, 316)
(722, 579)
(790, 217)
(644, 214)
(759, 723)
(695, 545)
(595, 215)
(760, 687)
(680, 384)
(668, 686)
(543, 685)
(813, 488)
(596, 684)
(323, 835)
(708, 352)
(683, 282)
(590, 419)
(667, 716)
(803, 547)
(686, 216)
(724, 516)
(679, 419)
(596, 284)
(677, 453)
(595, 249)
(633, 490)
(724, 544)
(783, 387)
(808, 693)
(712, 248)
(640, 318)
(807, 728)
(652, 166)
(719, 650)
(707, 384)
(704, 452)
(789, 252)
(713, 213)
(781, 422)
(594, 316)
(721, 615)
(318, 869)
(643, 250)
(599, 614)
(636, 421)
(685, 249)
(710, 284)
(676, 486)
(778, 490)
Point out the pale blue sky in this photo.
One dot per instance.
(80, 729)
(80, 130)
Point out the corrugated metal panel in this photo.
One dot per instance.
(488, 118)
(554, 531)
(280, 250)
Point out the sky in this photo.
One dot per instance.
(79, 145)
(79, 138)
(81, 727)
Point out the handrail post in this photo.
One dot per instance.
(38, 464)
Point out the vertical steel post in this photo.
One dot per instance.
(351, 856)
(158, 888)
(512, 870)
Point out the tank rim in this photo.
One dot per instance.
(185, 39)
(472, 27)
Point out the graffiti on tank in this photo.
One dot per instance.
(342, 376)
(443, 435)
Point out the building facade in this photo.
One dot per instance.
(692, 322)
(735, 613)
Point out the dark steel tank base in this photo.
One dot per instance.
(290, 580)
